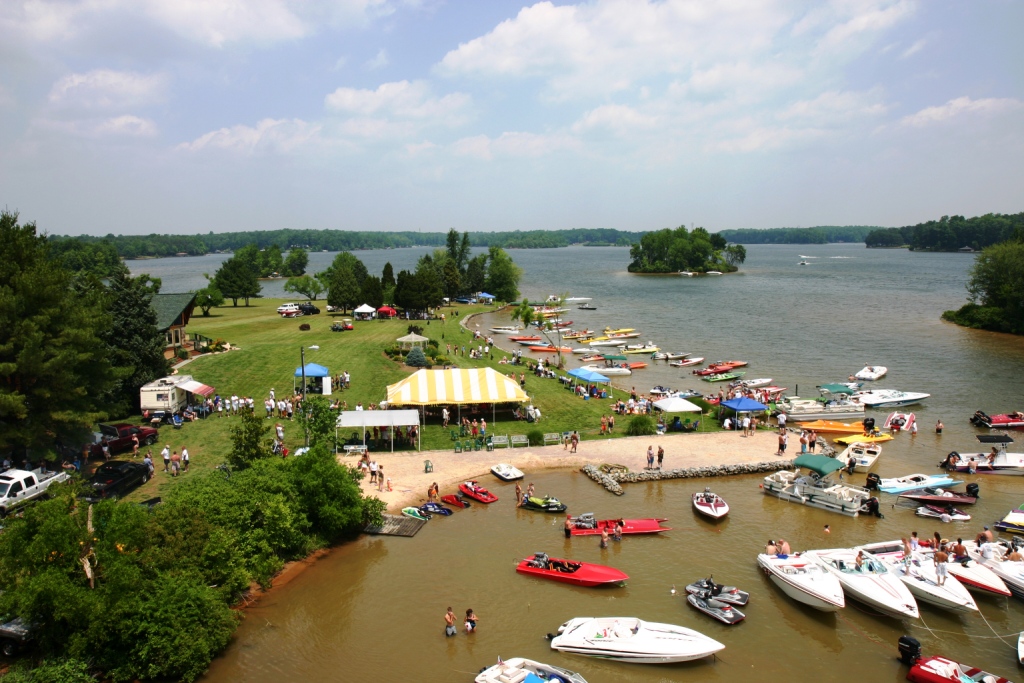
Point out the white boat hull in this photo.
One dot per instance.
(609, 372)
(511, 669)
(652, 643)
(881, 590)
(872, 373)
(1011, 572)
(883, 398)
(506, 472)
(921, 579)
(842, 498)
(811, 586)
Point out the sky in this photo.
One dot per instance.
(190, 116)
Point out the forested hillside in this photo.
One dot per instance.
(822, 234)
(950, 233)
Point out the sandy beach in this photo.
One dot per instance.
(409, 482)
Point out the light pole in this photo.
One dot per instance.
(302, 360)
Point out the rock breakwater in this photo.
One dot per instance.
(613, 481)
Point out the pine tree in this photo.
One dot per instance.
(416, 358)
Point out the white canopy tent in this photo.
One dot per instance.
(675, 404)
(380, 418)
(365, 312)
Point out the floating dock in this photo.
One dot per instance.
(397, 525)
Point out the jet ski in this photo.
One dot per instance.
(545, 504)
(455, 501)
(415, 513)
(435, 509)
(938, 511)
(729, 594)
(716, 609)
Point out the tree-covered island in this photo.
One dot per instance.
(673, 251)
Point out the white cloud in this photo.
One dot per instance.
(616, 118)
(834, 107)
(379, 61)
(513, 144)
(861, 20)
(127, 125)
(277, 135)
(961, 106)
(914, 49)
(418, 148)
(401, 99)
(107, 89)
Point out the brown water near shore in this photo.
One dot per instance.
(373, 608)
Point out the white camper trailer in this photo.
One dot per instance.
(165, 393)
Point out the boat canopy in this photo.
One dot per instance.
(615, 357)
(819, 464)
(994, 438)
(837, 389)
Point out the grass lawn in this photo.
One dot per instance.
(269, 353)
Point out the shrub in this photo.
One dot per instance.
(536, 437)
(641, 425)
(416, 358)
(432, 343)
(432, 352)
(415, 329)
(182, 353)
(304, 327)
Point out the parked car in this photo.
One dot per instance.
(116, 478)
(287, 307)
(118, 438)
(308, 309)
(14, 636)
(18, 487)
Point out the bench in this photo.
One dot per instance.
(499, 441)
(553, 437)
(355, 450)
(519, 440)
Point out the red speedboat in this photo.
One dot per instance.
(1014, 420)
(570, 571)
(942, 670)
(526, 338)
(940, 496)
(586, 525)
(477, 492)
(719, 367)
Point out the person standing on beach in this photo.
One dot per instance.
(782, 420)
(650, 457)
(575, 438)
(661, 456)
(449, 623)
(373, 471)
(519, 495)
(380, 478)
(782, 442)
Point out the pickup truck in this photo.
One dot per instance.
(119, 438)
(18, 487)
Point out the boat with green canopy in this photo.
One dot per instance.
(816, 487)
(836, 389)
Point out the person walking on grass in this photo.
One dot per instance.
(175, 463)
(166, 455)
(184, 459)
(135, 446)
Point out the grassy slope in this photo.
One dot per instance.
(269, 354)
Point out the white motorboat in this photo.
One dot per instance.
(816, 489)
(899, 422)
(889, 398)
(627, 639)
(915, 481)
(803, 263)
(972, 574)
(918, 573)
(871, 373)
(506, 329)
(943, 513)
(687, 273)
(993, 555)
(583, 349)
(836, 408)
(686, 363)
(754, 383)
(804, 581)
(574, 299)
(864, 455)
(868, 581)
(606, 342)
(998, 461)
(520, 670)
(659, 390)
(608, 371)
(713, 272)
(710, 504)
(506, 472)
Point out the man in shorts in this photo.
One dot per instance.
(449, 623)
(941, 558)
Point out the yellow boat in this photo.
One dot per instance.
(646, 349)
(833, 427)
(860, 438)
(609, 330)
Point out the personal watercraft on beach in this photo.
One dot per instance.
(455, 501)
(415, 513)
(435, 509)
(545, 504)
(571, 571)
(477, 492)
(627, 639)
(729, 594)
(716, 609)
(587, 525)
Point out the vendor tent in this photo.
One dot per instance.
(387, 312)
(675, 404)
(485, 295)
(379, 418)
(458, 386)
(411, 340)
(312, 370)
(744, 405)
(588, 375)
(365, 308)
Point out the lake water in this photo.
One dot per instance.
(373, 608)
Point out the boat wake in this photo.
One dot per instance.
(842, 257)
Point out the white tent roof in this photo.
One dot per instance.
(378, 418)
(365, 308)
(456, 386)
(674, 404)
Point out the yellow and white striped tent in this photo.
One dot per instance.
(457, 386)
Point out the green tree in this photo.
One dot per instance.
(251, 257)
(209, 297)
(249, 441)
(54, 366)
(996, 290)
(452, 282)
(476, 274)
(371, 292)
(407, 294)
(428, 284)
(342, 287)
(305, 285)
(236, 279)
(416, 358)
(136, 347)
(387, 278)
(296, 262)
(735, 254)
(271, 261)
(502, 275)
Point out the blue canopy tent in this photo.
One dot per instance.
(744, 405)
(485, 295)
(310, 370)
(589, 375)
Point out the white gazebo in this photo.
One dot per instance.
(411, 340)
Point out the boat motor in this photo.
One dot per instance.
(869, 424)
(872, 508)
(910, 650)
(873, 482)
(973, 490)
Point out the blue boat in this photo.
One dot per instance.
(916, 481)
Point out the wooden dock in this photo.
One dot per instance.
(397, 525)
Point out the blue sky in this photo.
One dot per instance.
(138, 116)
